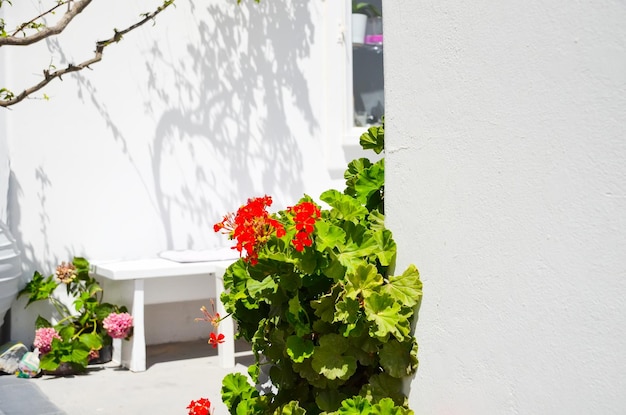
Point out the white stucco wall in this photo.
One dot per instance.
(506, 186)
(180, 123)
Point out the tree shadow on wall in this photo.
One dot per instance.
(232, 96)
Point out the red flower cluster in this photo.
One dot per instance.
(306, 213)
(216, 339)
(251, 226)
(200, 407)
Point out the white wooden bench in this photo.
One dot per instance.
(136, 283)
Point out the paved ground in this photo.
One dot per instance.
(176, 374)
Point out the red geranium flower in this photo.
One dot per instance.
(200, 407)
(251, 226)
(214, 339)
(305, 216)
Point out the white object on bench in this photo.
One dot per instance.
(130, 277)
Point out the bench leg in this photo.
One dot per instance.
(134, 350)
(226, 350)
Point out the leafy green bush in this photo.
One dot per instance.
(317, 298)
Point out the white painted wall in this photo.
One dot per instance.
(506, 185)
(179, 124)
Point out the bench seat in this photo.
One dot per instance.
(126, 285)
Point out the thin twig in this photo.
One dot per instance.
(100, 45)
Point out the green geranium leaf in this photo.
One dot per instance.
(344, 206)
(299, 349)
(297, 316)
(363, 281)
(328, 235)
(292, 408)
(386, 406)
(325, 306)
(259, 289)
(399, 359)
(376, 220)
(334, 269)
(329, 359)
(290, 281)
(373, 139)
(386, 252)
(306, 371)
(406, 288)
(352, 173)
(384, 386)
(357, 405)
(369, 181)
(348, 313)
(235, 388)
(329, 399)
(355, 254)
(388, 317)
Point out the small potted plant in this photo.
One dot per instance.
(80, 336)
(361, 11)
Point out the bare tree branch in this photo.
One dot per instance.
(11, 99)
(46, 31)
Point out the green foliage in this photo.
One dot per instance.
(81, 330)
(365, 180)
(365, 8)
(330, 324)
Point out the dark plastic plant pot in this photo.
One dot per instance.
(106, 355)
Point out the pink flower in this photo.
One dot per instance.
(43, 339)
(118, 325)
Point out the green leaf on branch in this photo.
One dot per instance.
(406, 288)
(344, 206)
(292, 408)
(386, 252)
(363, 281)
(369, 182)
(299, 349)
(329, 359)
(356, 252)
(374, 139)
(297, 316)
(384, 386)
(261, 289)
(329, 399)
(39, 288)
(388, 316)
(387, 406)
(399, 359)
(235, 388)
(325, 306)
(357, 405)
(328, 236)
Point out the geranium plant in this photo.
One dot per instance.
(79, 334)
(316, 296)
